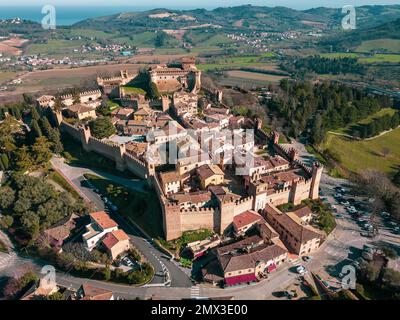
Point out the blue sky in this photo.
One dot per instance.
(297, 4)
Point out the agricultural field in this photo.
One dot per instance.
(6, 76)
(54, 47)
(255, 76)
(376, 58)
(381, 58)
(357, 156)
(389, 45)
(238, 62)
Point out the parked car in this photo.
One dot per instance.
(367, 234)
(307, 258)
(301, 270)
(339, 216)
(345, 203)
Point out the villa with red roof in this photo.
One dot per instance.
(115, 243)
(100, 225)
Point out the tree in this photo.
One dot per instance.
(36, 131)
(102, 128)
(6, 221)
(160, 39)
(153, 91)
(106, 273)
(55, 139)
(7, 197)
(31, 224)
(23, 159)
(41, 151)
(76, 97)
(58, 103)
(35, 114)
(56, 296)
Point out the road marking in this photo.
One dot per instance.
(194, 292)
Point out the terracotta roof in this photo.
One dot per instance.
(235, 262)
(169, 177)
(103, 220)
(292, 224)
(63, 229)
(302, 212)
(206, 171)
(246, 218)
(94, 293)
(113, 238)
(193, 197)
(80, 108)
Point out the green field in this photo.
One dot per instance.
(379, 114)
(238, 62)
(6, 76)
(54, 47)
(360, 155)
(336, 55)
(389, 45)
(381, 58)
(376, 58)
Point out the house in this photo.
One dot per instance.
(80, 111)
(57, 234)
(115, 243)
(243, 262)
(304, 214)
(88, 292)
(45, 101)
(245, 221)
(198, 248)
(299, 237)
(100, 225)
(221, 119)
(170, 182)
(123, 113)
(144, 114)
(40, 290)
(210, 174)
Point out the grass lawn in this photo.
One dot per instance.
(143, 208)
(391, 45)
(58, 178)
(189, 236)
(134, 90)
(360, 155)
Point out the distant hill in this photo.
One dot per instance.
(352, 39)
(241, 18)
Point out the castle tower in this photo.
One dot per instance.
(224, 216)
(293, 154)
(317, 170)
(219, 95)
(275, 137)
(58, 117)
(172, 221)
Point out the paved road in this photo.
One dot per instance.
(160, 261)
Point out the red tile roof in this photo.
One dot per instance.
(246, 218)
(103, 220)
(94, 293)
(243, 278)
(113, 238)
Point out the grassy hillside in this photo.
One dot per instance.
(357, 156)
